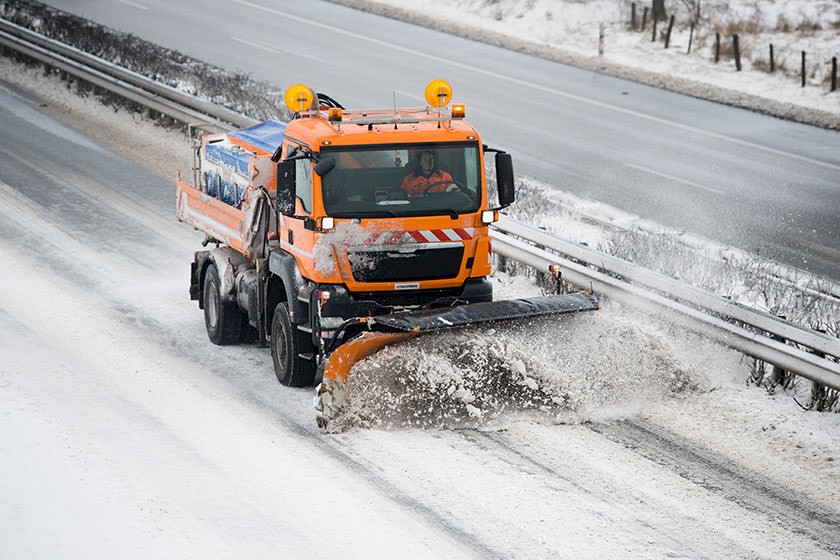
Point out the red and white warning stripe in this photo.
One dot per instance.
(434, 235)
(421, 236)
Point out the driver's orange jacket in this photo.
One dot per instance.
(416, 185)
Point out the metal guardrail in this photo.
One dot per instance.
(695, 309)
(700, 311)
(162, 98)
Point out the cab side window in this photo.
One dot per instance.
(303, 186)
(303, 177)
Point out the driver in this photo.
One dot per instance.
(425, 172)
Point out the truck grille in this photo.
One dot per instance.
(433, 261)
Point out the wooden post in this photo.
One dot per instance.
(644, 18)
(668, 35)
(690, 37)
(633, 16)
(601, 32)
(717, 47)
(653, 35)
(737, 50)
(833, 73)
(803, 68)
(772, 61)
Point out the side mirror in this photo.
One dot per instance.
(324, 166)
(504, 179)
(286, 187)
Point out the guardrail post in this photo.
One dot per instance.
(736, 48)
(818, 390)
(822, 398)
(758, 371)
(779, 376)
(653, 35)
(717, 47)
(833, 73)
(633, 16)
(772, 62)
(501, 262)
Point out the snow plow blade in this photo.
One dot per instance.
(385, 329)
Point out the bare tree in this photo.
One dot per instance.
(658, 10)
(693, 8)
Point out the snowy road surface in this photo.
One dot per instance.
(740, 178)
(124, 432)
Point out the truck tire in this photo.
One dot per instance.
(286, 345)
(224, 321)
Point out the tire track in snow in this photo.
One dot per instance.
(711, 474)
(512, 453)
(720, 476)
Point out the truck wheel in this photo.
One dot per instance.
(286, 344)
(223, 320)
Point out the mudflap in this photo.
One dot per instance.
(331, 393)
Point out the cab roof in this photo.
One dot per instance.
(378, 126)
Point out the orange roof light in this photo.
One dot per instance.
(334, 114)
(459, 111)
(438, 93)
(299, 98)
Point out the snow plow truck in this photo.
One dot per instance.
(342, 231)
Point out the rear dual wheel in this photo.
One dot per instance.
(225, 322)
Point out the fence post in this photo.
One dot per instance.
(668, 35)
(601, 32)
(803, 68)
(737, 50)
(717, 47)
(633, 16)
(644, 18)
(690, 38)
(772, 63)
(653, 35)
(833, 73)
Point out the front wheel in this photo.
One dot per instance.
(286, 345)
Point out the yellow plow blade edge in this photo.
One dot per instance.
(342, 359)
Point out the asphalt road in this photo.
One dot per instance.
(755, 182)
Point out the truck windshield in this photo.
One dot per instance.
(402, 180)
